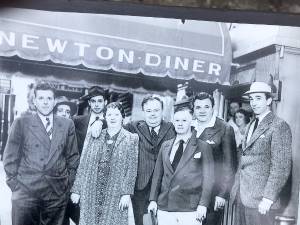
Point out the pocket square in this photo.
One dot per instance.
(210, 142)
(197, 155)
(262, 136)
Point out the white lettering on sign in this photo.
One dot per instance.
(105, 53)
(28, 41)
(123, 55)
(214, 68)
(183, 64)
(56, 46)
(81, 47)
(138, 58)
(11, 40)
(198, 66)
(168, 62)
(152, 59)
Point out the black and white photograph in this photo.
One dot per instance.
(110, 119)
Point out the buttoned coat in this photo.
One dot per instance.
(148, 150)
(35, 162)
(190, 184)
(265, 163)
(81, 127)
(222, 140)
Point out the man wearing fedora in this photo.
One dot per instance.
(64, 107)
(96, 99)
(265, 162)
(84, 124)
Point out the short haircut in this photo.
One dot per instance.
(202, 96)
(183, 108)
(115, 105)
(268, 95)
(245, 113)
(152, 98)
(44, 86)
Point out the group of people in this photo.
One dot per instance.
(94, 169)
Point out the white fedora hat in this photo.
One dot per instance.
(259, 87)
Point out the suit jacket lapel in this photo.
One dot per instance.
(56, 136)
(166, 153)
(144, 129)
(39, 131)
(209, 132)
(85, 123)
(164, 127)
(188, 152)
(261, 128)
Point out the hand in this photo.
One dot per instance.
(264, 206)
(124, 202)
(96, 128)
(75, 198)
(201, 213)
(152, 207)
(219, 203)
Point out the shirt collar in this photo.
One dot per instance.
(184, 137)
(262, 116)
(93, 117)
(156, 129)
(43, 118)
(211, 123)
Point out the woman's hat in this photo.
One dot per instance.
(94, 91)
(63, 100)
(259, 87)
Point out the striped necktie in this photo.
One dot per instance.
(48, 127)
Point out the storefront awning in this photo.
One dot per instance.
(157, 47)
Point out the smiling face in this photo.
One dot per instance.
(240, 119)
(113, 118)
(64, 111)
(182, 122)
(44, 101)
(97, 104)
(259, 103)
(153, 113)
(203, 110)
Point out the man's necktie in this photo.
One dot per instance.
(96, 118)
(255, 125)
(178, 155)
(154, 136)
(48, 127)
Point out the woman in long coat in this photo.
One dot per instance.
(106, 175)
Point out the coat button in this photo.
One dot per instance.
(41, 159)
(36, 145)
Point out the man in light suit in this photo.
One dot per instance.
(220, 136)
(266, 159)
(40, 161)
(183, 176)
(152, 132)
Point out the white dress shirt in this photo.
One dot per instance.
(200, 127)
(44, 121)
(175, 146)
(260, 118)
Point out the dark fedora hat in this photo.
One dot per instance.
(63, 100)
(94, 91)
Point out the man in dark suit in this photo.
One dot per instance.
(92, 122)
(265, 163)
(152, 132)
(221, 138)
(40, 161)
(183, 176)
(96, 98)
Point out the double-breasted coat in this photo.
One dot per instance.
(190, 184)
